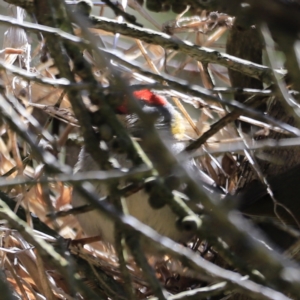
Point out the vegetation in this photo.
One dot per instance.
(231, 68)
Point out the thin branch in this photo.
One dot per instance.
(238, 146)
(200, 293)
(291, 105)
(248, 91)
(217, 126)
(199, 53)
(61, 82)
(40, 28)
(99, 176)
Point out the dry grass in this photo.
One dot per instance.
(27, 274)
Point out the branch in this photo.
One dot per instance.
(40, 28)
(202, 54)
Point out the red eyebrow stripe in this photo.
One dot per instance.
(150, 97)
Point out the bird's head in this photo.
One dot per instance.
(168, 119)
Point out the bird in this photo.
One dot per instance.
(163, 220)
(253, 201)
